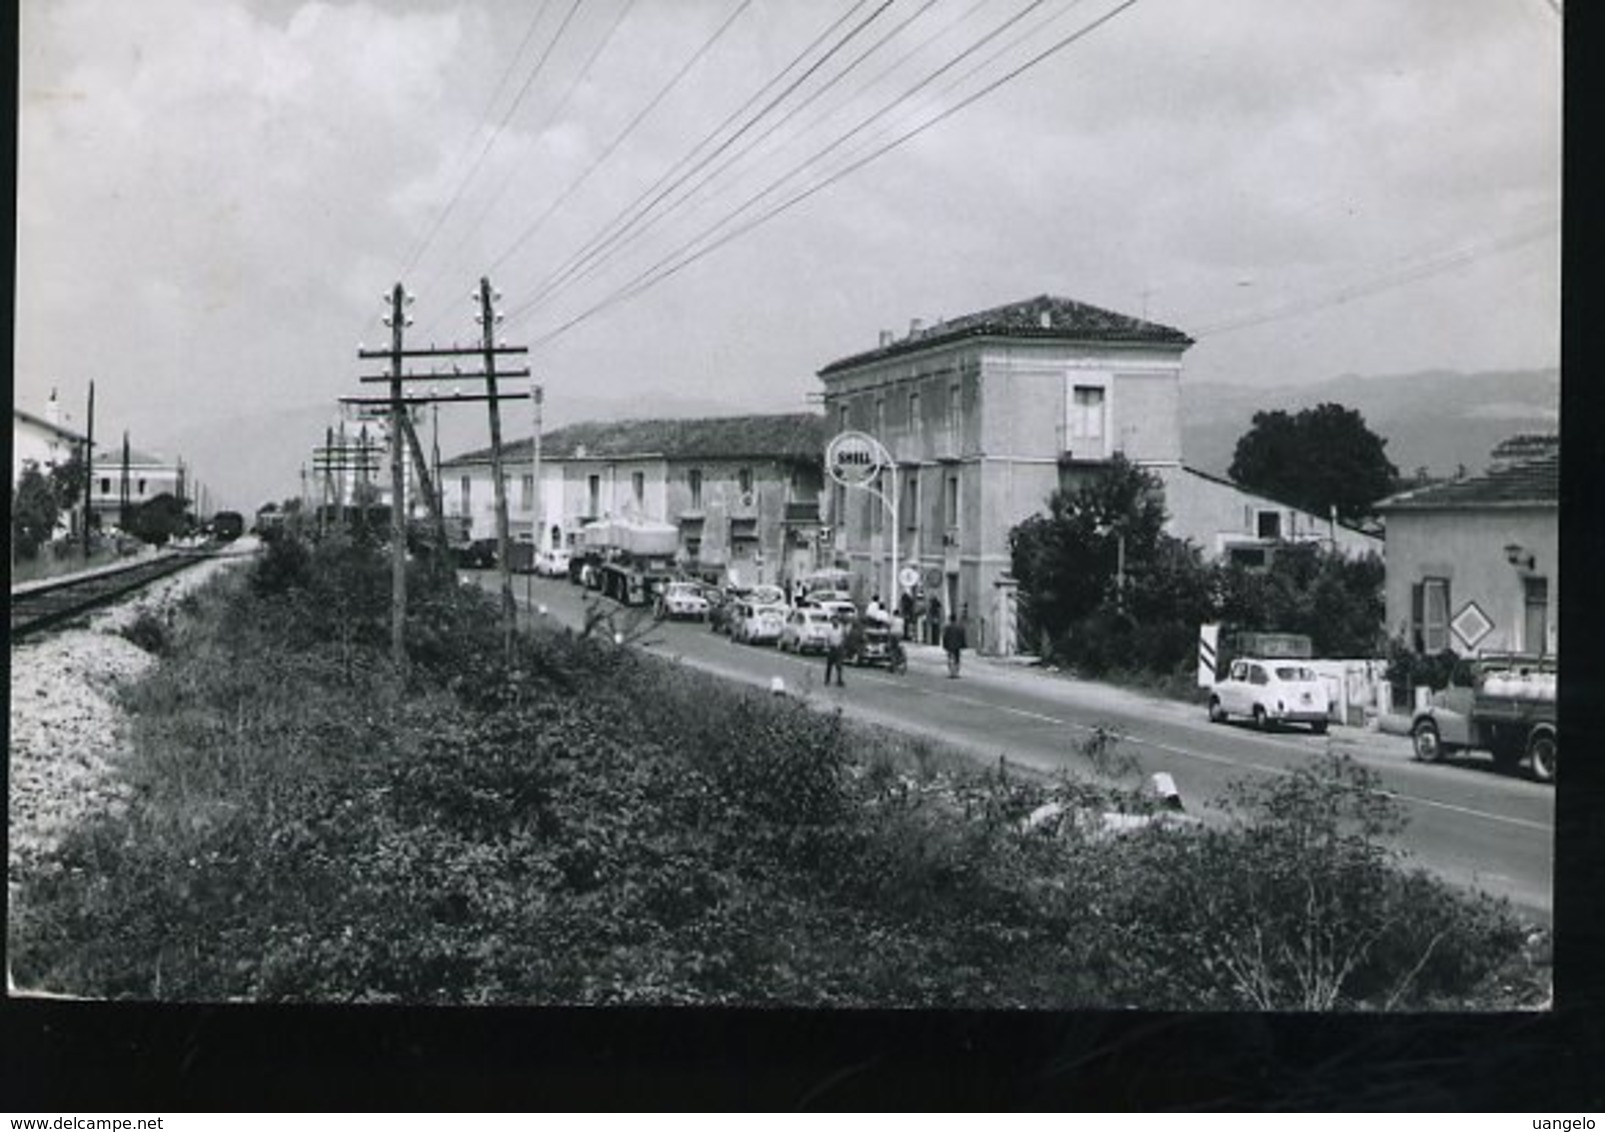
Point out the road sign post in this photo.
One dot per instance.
(856, 460)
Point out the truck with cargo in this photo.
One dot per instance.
(629, 560)
(1506, 709)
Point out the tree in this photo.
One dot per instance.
(1066, 560)
(34, 511)
(159, 519)
(1335, 600)
(1316, 459)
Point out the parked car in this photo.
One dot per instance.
(1271, 693)
(552, 563)
(807, 629)
(682, 600)
(480, 554)
(755, 623)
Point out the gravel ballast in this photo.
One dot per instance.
(68, 734)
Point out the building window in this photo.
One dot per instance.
(593, 489)
(1250, 556)
(1086, 411)
(880, 418)
(954, 410)
(694, 481)
(914, 418)
(1268, 525)
(841, 416)
(951, 503)
(1429, 615)
(142, 485)
(744, 480)
(105, 485)
(526, 488)
(911, 502)
(466, 487)
(1535, 622)
(638, 487)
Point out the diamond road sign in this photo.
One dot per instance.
(1471, 624)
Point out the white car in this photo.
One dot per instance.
(806, 630)
(756, 624)
(1271, 693)
(683, 599)
(552, 563)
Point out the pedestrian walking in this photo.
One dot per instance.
(906, 608)
(933, 620)
(833, 651)
(954, 641)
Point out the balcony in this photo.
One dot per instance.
(802, 513)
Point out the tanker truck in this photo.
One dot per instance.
(1507, 710)
(630, 560)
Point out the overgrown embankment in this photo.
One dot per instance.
(590, 825)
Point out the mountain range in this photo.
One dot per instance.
(1435, 419)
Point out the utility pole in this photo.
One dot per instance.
(399, 408)
(122, 490)
(488, 317)
(537, 503)
(89, 471)
(398, 519)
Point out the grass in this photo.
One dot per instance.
(590, 825)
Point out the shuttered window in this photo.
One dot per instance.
(1429, 615)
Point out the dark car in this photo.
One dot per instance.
(477, 555)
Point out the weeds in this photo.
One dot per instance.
(588, 825)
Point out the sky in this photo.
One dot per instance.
(694, 205)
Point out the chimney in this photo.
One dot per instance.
(914, 327)
(886, 337)
(53, 410)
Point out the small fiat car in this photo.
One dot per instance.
(1271, 693)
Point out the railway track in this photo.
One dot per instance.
(56, 602)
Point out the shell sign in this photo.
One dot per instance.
(854, 459)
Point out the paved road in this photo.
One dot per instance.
(1468, 822)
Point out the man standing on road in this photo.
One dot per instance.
(953, 643)
(833, 651)
(906, 609)
(933, 620)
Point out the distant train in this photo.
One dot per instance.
(226, 526)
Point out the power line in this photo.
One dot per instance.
(490, 142)
(619, 138)
(648, 279)
(540, 297)
(626, 217)
(602, 255)
(557, 109)
(1384, 281)
(484, 117)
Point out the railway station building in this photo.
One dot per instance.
(986, 415)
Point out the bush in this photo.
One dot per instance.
(1298, 906)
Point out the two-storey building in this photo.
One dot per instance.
(744, 491)
(985, 416)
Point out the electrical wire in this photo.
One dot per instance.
(423, 241)
(557, 109)
(541, 296)
(647, 224)
(1396, 277)
(663, 271)
(622, 220)
(618, 139)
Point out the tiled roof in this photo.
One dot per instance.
(1044, 317)
(39, 422)
(774, 436)
(1526, 483)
